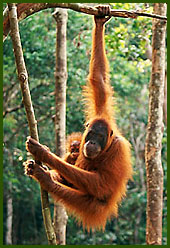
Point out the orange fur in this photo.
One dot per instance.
(75, 136)
(99, 184)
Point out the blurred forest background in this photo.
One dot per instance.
(128, 50)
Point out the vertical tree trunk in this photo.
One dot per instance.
(9, 215)
(60, 15)
(149, 56)
(154, 132)
(165, 100)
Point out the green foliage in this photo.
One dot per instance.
(129, 75)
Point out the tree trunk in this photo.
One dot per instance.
(154, 132)
(60, 15)
(149, 56)
(165, 100)
(9, 215)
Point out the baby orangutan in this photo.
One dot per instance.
(73, 147)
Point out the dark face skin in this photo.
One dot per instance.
(95, 140)
(74, 149)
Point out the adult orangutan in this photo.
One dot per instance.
(100, 175)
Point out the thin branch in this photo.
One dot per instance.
(10, 110)
(23, 78)
(27, 9)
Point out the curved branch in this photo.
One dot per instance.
(26, 9)
(23, 78)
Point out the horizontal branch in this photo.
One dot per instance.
(26, 9)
